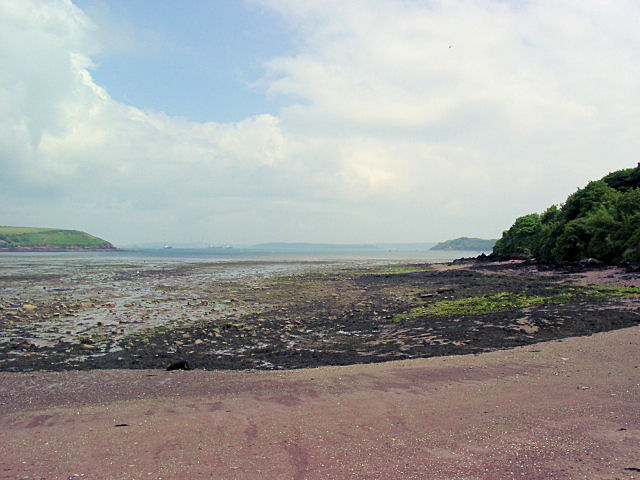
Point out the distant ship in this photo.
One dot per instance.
(167, 246)
(220, 246)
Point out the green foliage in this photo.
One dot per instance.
(609, 291)
(594, 195)
(506, 301)
(398, 270)
(521, 237)
(11, 237)
(465, 243)
(499, 302)
(624, 180)
(601, 221)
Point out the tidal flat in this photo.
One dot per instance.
(79, 314)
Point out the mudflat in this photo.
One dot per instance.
(271, 316)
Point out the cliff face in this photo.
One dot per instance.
(15, 239)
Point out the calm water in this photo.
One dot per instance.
(245, 254)
(95, 268)
(26, 272)
(232, 258)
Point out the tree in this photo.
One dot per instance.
(520, 237)
(601, 220)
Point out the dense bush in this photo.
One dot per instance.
(601, 221)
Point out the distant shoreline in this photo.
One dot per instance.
(57, 248)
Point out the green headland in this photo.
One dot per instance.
(466, 243)
(44, 239)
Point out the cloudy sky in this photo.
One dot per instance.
(221, 121)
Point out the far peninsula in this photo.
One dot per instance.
(466, 243)
(31, 239)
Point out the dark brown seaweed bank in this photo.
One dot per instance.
(324, 316)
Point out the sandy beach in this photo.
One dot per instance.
(563, 409)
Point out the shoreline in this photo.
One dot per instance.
(214, 317)
(55, 249)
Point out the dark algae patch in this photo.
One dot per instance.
(324, 315)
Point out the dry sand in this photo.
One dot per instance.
(564, 409)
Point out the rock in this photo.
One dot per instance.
(589, 263)
(446, 289)
(27, 307)
(198, 342)
(179, 365)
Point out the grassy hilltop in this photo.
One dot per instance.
(28, 238)
(465, 243)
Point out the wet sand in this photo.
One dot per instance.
(562, 409)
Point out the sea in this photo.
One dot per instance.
(89, 267)
(165, 256)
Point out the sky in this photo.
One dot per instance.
(368, 121)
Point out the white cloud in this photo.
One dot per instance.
(63, 137)
(412, 121)
(494, 106)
